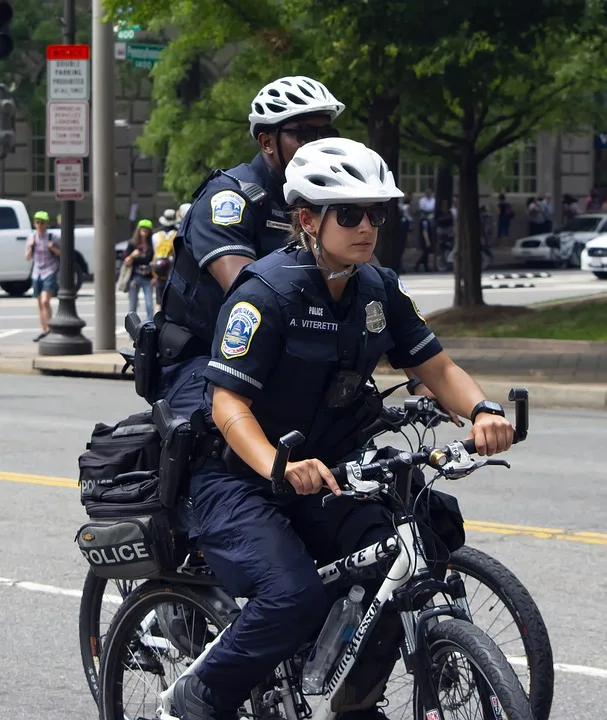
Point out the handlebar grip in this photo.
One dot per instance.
(283, 451)
(162, 417)
(520, 396)
(132, 323)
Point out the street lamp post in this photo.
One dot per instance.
(65, 337)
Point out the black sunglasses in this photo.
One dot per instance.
(352, 215)
(305, 133)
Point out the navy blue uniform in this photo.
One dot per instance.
(303, 359)
(239, 212)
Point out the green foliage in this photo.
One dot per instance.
(35, 25)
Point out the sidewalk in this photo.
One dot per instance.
(557, 373)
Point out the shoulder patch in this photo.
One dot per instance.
(403, 289)
(227, 207)
(242, 325)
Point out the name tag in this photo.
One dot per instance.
(320, 325)
(275, 225)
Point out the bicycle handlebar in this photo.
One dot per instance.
(437, 457)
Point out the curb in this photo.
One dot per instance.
(544, 394)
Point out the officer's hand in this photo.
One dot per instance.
(426, 392)
(308, 477)
(492, 434)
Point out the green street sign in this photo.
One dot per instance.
(122, 31)
(143, 56)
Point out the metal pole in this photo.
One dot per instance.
(557, 181)
(65, 337)
(104, 213)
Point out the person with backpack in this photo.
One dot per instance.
(43, 248)
(164, 252)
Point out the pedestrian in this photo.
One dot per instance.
(138, 255)
(237, 216)
(505, 214)
(164, 252)
(425, 242)
(571, 208)
(405, 222)
(182, 212)
(427, 203)
(284, 319)
(535, 217)
(43, 247)
(548, 209)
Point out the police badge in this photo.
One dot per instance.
(376, 320)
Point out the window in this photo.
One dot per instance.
(8, 219)
(416, 177)
(521, 176)
(43, 167)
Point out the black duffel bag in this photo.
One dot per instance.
(133, 444)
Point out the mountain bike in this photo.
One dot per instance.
(498, 602)
(165, 628)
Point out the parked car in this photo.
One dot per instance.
(594, 257)
(15, 229)
(563, 247)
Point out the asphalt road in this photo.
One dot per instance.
(557, 481)
(19, 316)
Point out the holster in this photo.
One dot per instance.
(146, 364)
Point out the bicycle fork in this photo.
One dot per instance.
(418, 614)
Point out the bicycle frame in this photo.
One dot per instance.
(408, 564)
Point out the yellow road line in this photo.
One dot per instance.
(544, 533)
(38, 479)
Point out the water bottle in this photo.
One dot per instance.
(339, 628)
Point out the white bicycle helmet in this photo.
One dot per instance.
(335, 170)
(290, 97)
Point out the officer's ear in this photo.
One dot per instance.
(309, 221)
(267, 143)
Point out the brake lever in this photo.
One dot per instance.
(455, 471)
(368, 494)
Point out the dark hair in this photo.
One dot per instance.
(137, 238)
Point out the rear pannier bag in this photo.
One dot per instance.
(129, 535)
(131, 445)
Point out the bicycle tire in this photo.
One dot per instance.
(124, 622)
(466, 639)
(525, 614)
(89, 627)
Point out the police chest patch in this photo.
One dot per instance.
(227, 207)
(403, 289)
(242, 325)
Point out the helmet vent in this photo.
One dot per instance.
(294, 99)
(353, 171)
(274, 107)
(332, 151)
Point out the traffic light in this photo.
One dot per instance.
(7, 122)
(6, 42)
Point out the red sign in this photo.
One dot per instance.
(68, 52)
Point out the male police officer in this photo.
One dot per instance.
(238, 216)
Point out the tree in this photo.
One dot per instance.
(35, 25)
(454, 81)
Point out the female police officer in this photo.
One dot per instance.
(238, 216)
(295, 343)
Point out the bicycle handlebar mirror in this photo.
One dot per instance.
(520, 396)
(283, 451)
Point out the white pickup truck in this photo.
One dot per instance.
(15, 229)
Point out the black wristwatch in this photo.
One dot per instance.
(486, 406)
(412, 384)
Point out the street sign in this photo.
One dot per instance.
(119, 51)
(67, 129)
(125, 32)
(143, 56)
(68, 76)
(69, 179)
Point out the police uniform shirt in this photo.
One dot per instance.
(425, 225)
(252, 337)
(224, 222)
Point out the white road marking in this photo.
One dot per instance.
(53, 590)
(8, 333)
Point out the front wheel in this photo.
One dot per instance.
(441, 261)
(472, 677)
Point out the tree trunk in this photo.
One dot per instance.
(444, 186)
(468, 291)
(384, 138)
